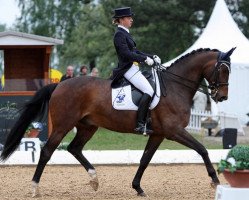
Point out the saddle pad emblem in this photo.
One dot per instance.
(120, 98)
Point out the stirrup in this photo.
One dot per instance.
(142, 129)
(145, 129)
(147, 132)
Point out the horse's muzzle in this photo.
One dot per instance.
(222, 98)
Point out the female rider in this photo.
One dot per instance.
(128, 59)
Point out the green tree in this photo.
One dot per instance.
(162, 27)
(240, 12)
(91, 43)
(165, 28)
(51, 18)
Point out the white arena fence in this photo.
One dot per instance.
(117, 157)
(224, 121)
(28, 153)
(195, 120)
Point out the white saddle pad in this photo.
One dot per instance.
(122, 99)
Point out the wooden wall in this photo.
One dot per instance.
(25, 68)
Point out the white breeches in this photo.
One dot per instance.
(138, 80)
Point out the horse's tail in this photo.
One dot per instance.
(34, 109)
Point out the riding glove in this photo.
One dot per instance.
(157, 59)
(149, 61)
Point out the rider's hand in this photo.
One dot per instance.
(149, 61)
(157, 59)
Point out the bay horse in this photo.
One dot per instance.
(85, 102)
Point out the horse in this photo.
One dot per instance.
(85, 103)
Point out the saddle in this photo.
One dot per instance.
(126, 96)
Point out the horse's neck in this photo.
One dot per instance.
(189, 78)
(190, 74)
(189, 70)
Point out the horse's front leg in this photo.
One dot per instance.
(183, 137)
(152, 145)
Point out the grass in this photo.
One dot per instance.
(109, 140)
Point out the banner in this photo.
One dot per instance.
(9, 114)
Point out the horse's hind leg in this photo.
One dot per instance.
(186, 139)
(45, 156)
(84, 134)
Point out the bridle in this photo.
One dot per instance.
(216, 84)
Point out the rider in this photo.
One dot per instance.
(129, 57)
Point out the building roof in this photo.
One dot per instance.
(222, 33)
(13, 38)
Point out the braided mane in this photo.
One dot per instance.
(192, 53)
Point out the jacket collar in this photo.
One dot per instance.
(126, 29)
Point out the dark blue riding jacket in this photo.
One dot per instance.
(127, 53)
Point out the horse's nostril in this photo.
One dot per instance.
(223, 98)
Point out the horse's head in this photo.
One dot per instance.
(218, 75)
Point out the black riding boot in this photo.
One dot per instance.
(142, 112)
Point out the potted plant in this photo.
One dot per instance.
(235, 167)
(33, 130)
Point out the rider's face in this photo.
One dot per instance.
(126, 22)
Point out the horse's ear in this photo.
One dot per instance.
(229, 53)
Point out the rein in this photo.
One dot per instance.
(179, 80)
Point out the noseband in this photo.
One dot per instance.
(216, 84)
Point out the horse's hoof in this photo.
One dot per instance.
(36, 191)
(142, 194)
(36, 195)
(214, 185)
(94, 183)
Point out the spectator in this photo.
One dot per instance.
(69, 73)
(83, 70)
(95, 72)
